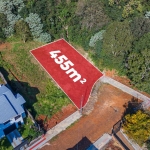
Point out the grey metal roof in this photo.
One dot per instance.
(10, 105)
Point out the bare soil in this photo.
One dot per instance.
(57, 118)
(108, 110)
(4, 46)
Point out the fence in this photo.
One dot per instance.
(30, 116)
(117, 127)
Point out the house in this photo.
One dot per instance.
(11, 111)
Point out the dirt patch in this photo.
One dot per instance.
(4, 46)
(57, 118)
(108, 110)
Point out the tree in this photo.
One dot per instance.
(117, 39)
(3, 22)
(12, 19)
(113, 8)
(11, 8)
(35, 24)
(22, 30)
(137, 126)
(140, 26)
(91, 14)
(122, 9)
(138, 64)
(44, 37)
(147, 14)
(2, 36)
(132, 7)
(97, 37)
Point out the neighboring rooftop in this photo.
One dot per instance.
(10, 104)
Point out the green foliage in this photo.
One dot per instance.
(122, 9)
(51, 101)
(22, 30)
(27, 129)
(3, 22)
(113, 9)
(137, 126)
(117, 41)
(117, 38)
(5, 144)
(138, 68)
(36, 28)
(44, 37)
(34, 22)
(11, 10)
(132, 7)
(140, 26)
(147, 14)
(97, 37)
(2, 35)
(91, 14)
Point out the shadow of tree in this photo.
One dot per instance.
(29, 93)
(132, 106)
(83, 144)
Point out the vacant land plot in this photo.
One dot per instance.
(107, 111)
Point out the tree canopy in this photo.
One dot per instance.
(137, 126)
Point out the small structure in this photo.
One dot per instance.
(11, 111)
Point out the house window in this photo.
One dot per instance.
(6, 122)
(17, 117)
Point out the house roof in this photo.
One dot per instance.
(10, 104)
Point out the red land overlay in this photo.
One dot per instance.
(70, 70)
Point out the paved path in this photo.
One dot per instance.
(124, 88)
(56, 130)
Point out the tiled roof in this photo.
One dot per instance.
(10, 104)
